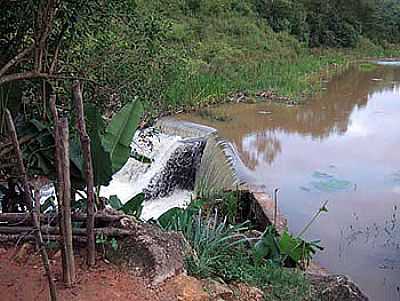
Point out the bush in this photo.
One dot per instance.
(220, 250)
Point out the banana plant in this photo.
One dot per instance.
(119, 134)
(133, 207)
(110, 144)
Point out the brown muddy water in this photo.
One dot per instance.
(342, 146)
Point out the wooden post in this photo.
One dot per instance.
(87, 156)
(60, 185)
(35, 209)
(66, 192)
(276, 190)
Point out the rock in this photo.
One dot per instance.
(3, 251)
(189, 289)
(233, 292)
(218, 291)
(336, 288)
(264, 211)
(22, 254)
(149, 252)
(246, 292)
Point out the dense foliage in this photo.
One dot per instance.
(182, 52)
(335, 23)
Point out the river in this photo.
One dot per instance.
(343, 146)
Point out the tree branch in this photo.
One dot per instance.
(35, 210)
(40, 75)
(16, 60)
(88, 164)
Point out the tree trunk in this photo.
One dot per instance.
(66, 192)
(60, 185)
(86, 151)
(28, 199)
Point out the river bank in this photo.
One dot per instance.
(282, 80)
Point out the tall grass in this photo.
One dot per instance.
(230, 51)
(293, 79)
(225, 47)
(219, 250)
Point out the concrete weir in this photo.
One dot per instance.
(221, 169)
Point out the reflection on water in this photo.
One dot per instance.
(342, 146)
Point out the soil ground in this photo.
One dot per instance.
(22, 278)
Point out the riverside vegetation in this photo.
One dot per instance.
(184, 53)
(157, 56)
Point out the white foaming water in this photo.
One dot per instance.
(155, 208)
(388, 63)
(135, 175)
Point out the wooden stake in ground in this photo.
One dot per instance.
(35, 215)
(60, 186)
(66, 192)
(87, 156)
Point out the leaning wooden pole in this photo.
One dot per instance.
(28, 199)
(87, 156)
(69, 251)
(60, 185)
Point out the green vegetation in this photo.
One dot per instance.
(222, 250)
(334, 23)
(229, 251)
(132, 207)
(366, 67)
(184, 53)
(229, 45)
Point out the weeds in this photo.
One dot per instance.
(219, 249)
(366, 67)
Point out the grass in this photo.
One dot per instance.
(226, 48)
(366, 67)
(220, 250)
(292, 79)
(277, 283)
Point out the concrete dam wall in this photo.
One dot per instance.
(221, 169)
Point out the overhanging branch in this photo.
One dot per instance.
(40, 75)
(16, 60)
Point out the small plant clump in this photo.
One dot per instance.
(221, 248)
(366, 67)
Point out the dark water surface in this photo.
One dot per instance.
(342, 146)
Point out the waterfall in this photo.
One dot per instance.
(179, 170)
(167, 181)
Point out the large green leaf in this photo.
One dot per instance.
(102, 168)
(134, 206)
(115, 202)
(38, 153)
(120, 132)
(170, 217)
(291, 246)
(268, 246)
